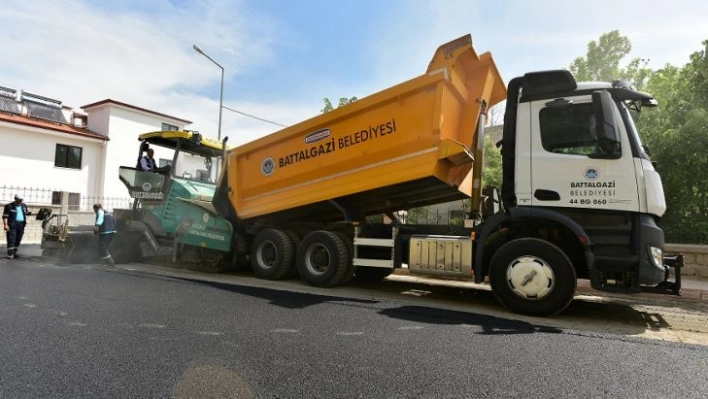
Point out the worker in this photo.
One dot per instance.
(105, 227)
(147, 162)
(14, 220)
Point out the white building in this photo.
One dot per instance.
(48, 147)
(122, 123)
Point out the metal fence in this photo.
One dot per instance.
(436, 215)
(109, 203)
(34, 196)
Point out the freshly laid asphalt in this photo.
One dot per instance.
(87, 331)
(691, 286)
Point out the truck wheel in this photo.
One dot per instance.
(350, 258)
(371, 274)
(272, 254)
(239, 253)
(295, 239)
(533, 277)
(322, 259)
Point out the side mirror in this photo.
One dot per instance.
(491, 201)
(608, 141)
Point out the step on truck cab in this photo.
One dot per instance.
(580, 197)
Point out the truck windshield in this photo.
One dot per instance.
(194, 167)
(638, 148)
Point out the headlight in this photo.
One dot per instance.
(657, 256)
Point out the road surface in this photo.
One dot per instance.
(85, 331)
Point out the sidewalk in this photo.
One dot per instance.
(692, 287)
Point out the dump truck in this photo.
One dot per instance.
(580, 197)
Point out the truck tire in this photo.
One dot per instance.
(239, 256)
(533, 277)
(295, 239)
(371, 274)
(322, 259)
(349, 275)
(272, 254)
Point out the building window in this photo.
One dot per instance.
(74, 200)
(167, 126)
(67, 156)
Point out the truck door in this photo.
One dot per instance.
(570, 168)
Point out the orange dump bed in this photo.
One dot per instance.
(409, 145)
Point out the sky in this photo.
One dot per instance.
(282, 57)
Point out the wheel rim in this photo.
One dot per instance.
(530, 278)
(267, 254)
(317, 259)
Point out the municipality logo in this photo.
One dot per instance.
(592, 173)
(268, 166)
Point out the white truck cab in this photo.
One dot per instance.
(577, 176)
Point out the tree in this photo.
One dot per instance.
(602, 61)
(677, 133)
(342, 102)
(492, 174)
(495, 114)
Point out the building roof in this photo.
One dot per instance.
(41, 124)
(109, 101)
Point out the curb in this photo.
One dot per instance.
(584, 287)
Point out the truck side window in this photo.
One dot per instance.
(569, 130)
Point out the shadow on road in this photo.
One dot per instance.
(285, 299)
(491, 325)
(599, 314)
(615, 312)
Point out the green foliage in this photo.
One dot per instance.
(418, 215)
(342, 102)
(677, 134)
(602, 61)
(492, 164)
